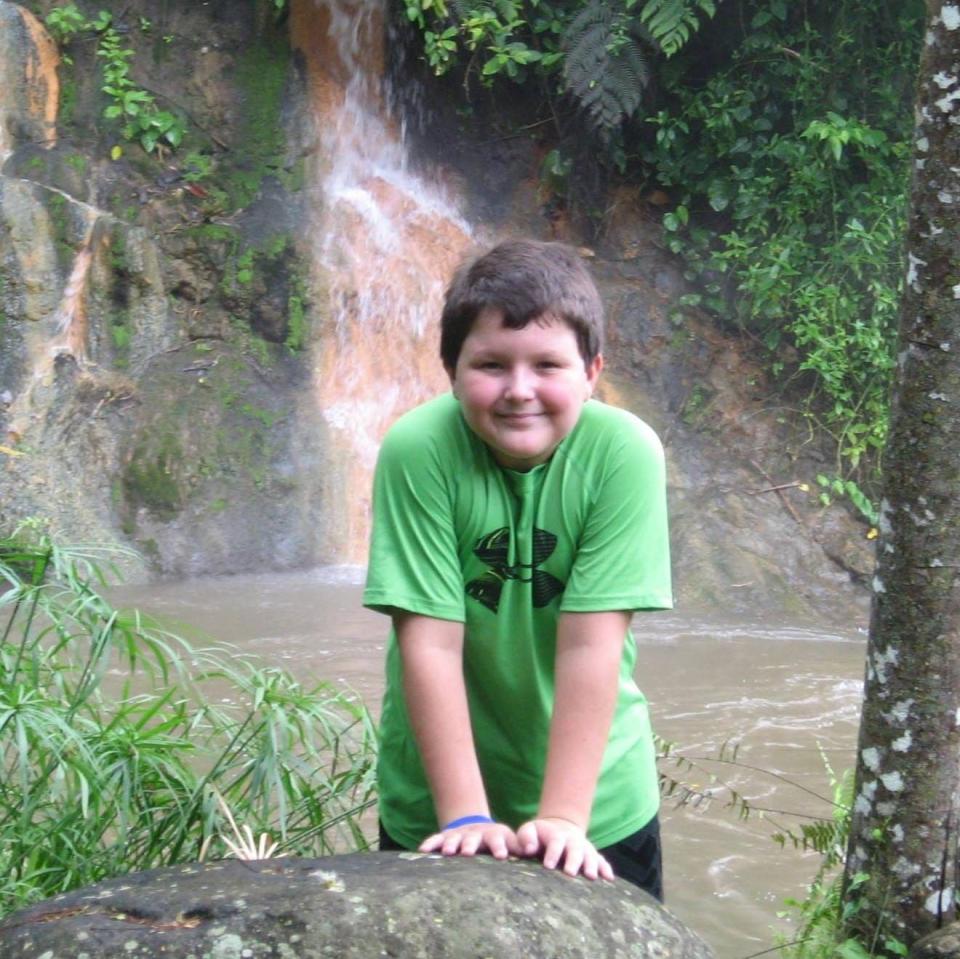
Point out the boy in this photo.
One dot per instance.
(517, 526)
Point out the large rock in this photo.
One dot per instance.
(351, 907)
(29, 85)
(942, 944)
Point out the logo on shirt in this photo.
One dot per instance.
(493, 550)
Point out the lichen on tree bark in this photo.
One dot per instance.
(905, 820)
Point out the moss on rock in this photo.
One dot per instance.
(353, 907)
(150, 478)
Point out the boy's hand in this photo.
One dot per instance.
(555, 839)
(499, 840)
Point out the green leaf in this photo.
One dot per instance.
(851, 949)
(717, 197)
(174, 136)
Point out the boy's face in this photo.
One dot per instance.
(522, 391)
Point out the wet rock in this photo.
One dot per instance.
(28, 80)
(352, 907)
(942, 944)
(748, 531)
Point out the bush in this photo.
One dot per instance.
(789, 162)
(123, 747)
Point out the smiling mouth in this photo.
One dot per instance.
(518, 417)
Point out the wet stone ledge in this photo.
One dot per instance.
(361, 906)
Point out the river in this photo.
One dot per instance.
(785, 694)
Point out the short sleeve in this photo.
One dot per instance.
(413, 563)
(623, 557)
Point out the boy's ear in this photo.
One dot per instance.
(593, 373)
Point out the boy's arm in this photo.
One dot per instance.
(587, 671)
(431, 651)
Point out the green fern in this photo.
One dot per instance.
(672, 22)
(604, 69)
(824, 836)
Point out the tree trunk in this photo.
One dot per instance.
(903, 835)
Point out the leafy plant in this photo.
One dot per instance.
(143, 121)
(835, 486)
(783, 140)
(673, 22)
(197, 166)
(821, 912)
(593, 49)
(789, 167)
(605, 68)
(119, 741)
(63, 22)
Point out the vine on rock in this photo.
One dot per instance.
(143, 121)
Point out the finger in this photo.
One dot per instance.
(470, 843)
(591, 864)
(511, 843)
(431, 843)
(554, 851)
(451, 843)
(528, 839)
(573, 859)
(497, 844)
(497, 847)
(606, 870)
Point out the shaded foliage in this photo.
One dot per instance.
(788, 164)
(605, 68)
(780, 138)
(591, 49)
(122, 745)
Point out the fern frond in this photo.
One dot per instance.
(672, 22)
(824, 836)
(604, 68)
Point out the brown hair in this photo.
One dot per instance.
(525, 279)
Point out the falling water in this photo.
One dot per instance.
(71, 316)
(386, 241)
(6, 147)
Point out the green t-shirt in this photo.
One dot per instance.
(458, 537)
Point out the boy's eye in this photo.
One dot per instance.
(488, 365)
(549, 365)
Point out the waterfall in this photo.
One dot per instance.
(385, 241)
(71, 314)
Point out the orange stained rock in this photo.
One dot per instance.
(314, 29)
(41, 85)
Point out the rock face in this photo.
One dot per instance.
(351, 907)
(172, 349)
(154, 308)
(29, 86)
(942, 944)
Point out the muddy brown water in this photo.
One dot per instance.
(785, 694)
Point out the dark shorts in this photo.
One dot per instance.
(636, 859)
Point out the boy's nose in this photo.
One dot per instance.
(520, 385)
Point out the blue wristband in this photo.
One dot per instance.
(466, 821)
